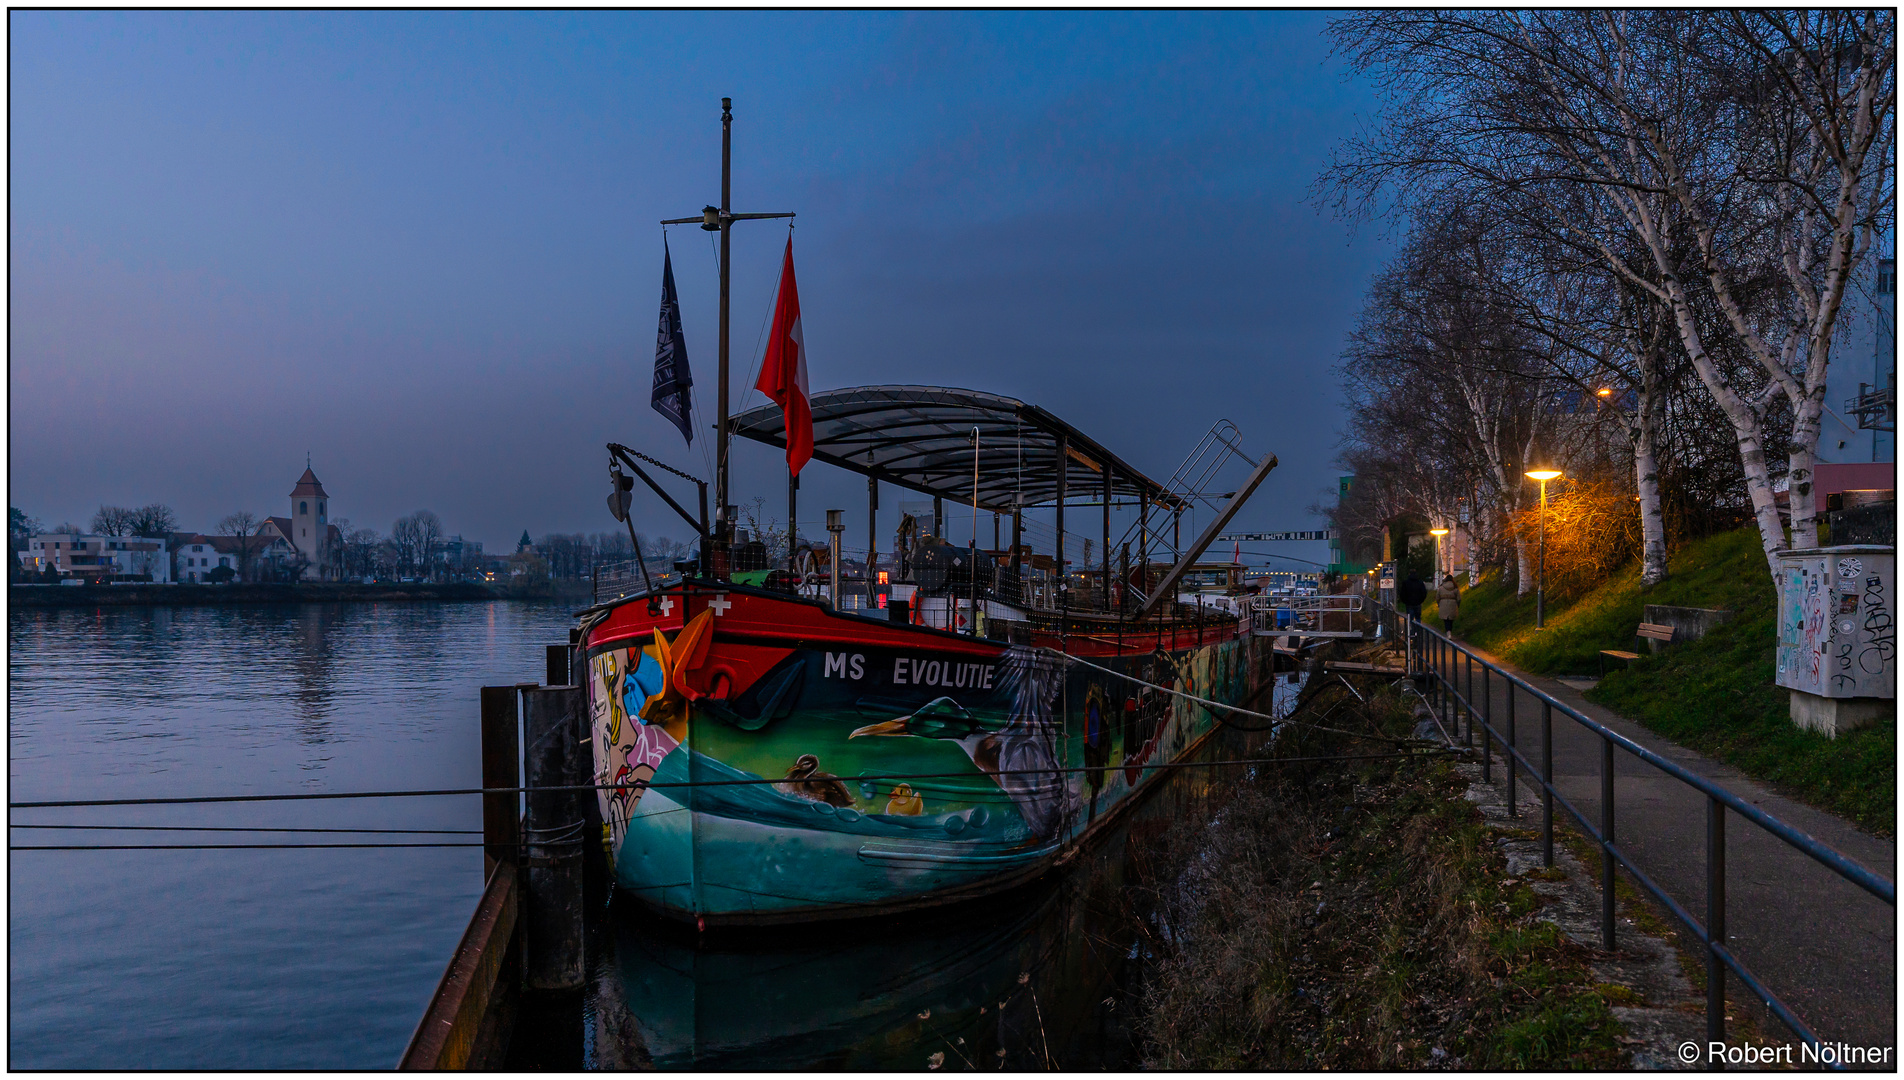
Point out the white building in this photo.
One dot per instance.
(1863, 359)
(262, 555)
(102, 558)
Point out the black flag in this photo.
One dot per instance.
(672, 380)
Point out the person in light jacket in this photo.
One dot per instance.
(1448, 600)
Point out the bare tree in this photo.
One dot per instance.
(359, 552)
(1717, 162)
(114, 521)
(1446, 389)
(429, 535)
(153, 519)
(406, 542)
(242, 525)
(415, 538)
(21, 528)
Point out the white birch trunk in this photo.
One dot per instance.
(1746, 429)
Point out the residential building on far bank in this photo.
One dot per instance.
(83, 556)
(262, 557)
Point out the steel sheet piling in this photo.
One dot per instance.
(502, 819)
(554, 826)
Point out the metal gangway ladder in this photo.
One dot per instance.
(1193, 483)
(1305, 616)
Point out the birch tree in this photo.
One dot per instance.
(1762, 137)
(1437, 349)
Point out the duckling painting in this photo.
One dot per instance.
(806, 781)
(1018, 752)
(905, 802)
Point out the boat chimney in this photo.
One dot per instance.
(834, 527)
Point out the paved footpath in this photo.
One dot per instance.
(1827, 948)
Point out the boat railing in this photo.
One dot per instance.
(939, 587)
(623, 577)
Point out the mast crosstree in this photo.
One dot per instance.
(720, 219)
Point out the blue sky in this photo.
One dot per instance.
(423, 246)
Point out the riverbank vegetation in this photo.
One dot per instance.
(1357, 914)
(1715, 695)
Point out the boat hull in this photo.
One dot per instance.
(773, 761)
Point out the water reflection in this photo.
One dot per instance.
(1046, 977)
(312, 671)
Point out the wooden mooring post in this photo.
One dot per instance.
(527, 932)
(467, 1024)
(555, 829)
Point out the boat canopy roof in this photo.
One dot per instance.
(920, 437)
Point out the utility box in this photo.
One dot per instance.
(1837, 635)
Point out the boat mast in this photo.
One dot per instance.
(725, 527)
(720, 219)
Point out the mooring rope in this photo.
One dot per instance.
(1425, 752)
(1274, 721)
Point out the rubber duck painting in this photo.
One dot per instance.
(806, 781)
(905, 801)
(1017, 753)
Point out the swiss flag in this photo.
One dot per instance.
(783, 373)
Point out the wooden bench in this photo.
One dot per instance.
(1654, 631)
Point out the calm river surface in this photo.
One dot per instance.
(267, 959)
(245, 959)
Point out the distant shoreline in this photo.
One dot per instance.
(195, 595)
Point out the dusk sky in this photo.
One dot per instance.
(424, 247)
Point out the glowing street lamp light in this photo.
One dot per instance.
(1540, 577)
(1437, 534)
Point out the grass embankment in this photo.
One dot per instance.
(1715, 695)
(1358, 915)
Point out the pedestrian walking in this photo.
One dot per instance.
(1448, 602)
(1412, 592)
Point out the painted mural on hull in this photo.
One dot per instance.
(985, 764)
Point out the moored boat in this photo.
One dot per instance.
(820, 734)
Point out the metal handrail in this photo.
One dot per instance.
(1331, 602)
(1434, 651)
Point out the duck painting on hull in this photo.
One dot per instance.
(1020, 754)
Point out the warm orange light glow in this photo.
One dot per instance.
(882, 578)
(1543, 475)
(1605, 391)
(1438, 532)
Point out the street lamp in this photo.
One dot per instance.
(1437, 534)
(1540, 577)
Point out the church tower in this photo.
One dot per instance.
(310, 525)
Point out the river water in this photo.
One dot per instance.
(325, 958)
(252, 958)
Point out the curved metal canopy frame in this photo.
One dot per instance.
(920, 437)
